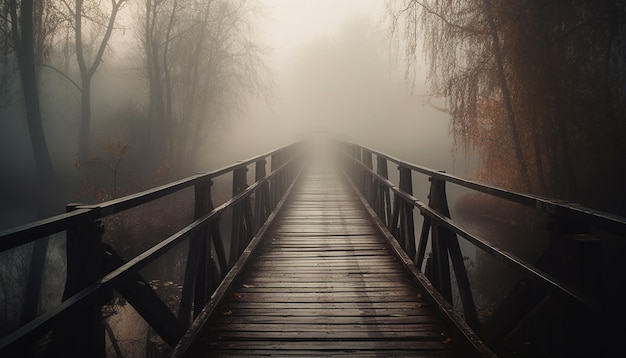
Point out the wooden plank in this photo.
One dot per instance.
(279, 310)
(304, 353)
(324, 282)
(333, 285)
(317, 306)
(331, 345)
(330, 298)
(326, 262)
(290, 334)
(282, 327)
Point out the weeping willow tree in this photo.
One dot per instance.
(533, 87)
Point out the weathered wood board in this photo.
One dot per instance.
(325, 283)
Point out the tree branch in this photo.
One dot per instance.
(446, 21)
(103, 44)
(64, 75)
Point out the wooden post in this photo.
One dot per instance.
(407, 224)
(197, 271)
(202, 207)
(444, 242)
(239, 184)
(275, 182)
(260, 197)
(440, 272)
(383, 204)
(216, 236)
(367, 183)
(83, 335)
(423, 242)
(246, 223)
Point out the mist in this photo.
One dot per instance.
(329, 66)
(346, 80)
(169, 89)
(310, 67)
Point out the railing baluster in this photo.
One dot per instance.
(77, 323)
(449, 243)
(248, 231)
(395, 217)
(260, 199)
(423, 243)
(440, 273)
(275, 182)
(195, 283)
(203, 270)
(239, 184)
(216, 236)
(408, 224)
(367, 183)
(83, 334)
(383, 205)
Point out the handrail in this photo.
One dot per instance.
(26, 233)
(543, 278)
(393, 203)
(602, 220)
(268, 190)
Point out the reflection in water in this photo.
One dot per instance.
(130, 332)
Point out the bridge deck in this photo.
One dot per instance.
(324, 282)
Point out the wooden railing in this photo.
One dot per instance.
(394, 204)
(75, 327)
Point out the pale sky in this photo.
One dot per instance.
(288, 24)
(288, 27)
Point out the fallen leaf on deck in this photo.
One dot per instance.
(227, 313)
(447, 340)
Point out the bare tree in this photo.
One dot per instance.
(202, 63)
(95, 14)
(24, 40)
(527, 85)
(27, 28)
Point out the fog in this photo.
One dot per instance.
(335, 70)
(193, 86)
(330, 66)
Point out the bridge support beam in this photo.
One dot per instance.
(83, 335)
(261, 196)
(402, 221)
(446, 250)
(241, 232)
(382, 203)
(367, 183)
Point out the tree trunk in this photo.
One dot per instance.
(24, 42)
(169, 115)
(87, 72)
(85, 119)
(25, 50)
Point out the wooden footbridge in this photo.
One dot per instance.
(320, 255)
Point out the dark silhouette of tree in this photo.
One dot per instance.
(23, 16)
(27, 29)
(533, 87)
(77, 15)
